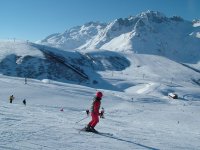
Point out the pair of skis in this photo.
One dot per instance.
(95, 132)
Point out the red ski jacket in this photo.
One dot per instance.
(96, 106)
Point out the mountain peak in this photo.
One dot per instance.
(154, 16)
(150, 13)
(92, 23)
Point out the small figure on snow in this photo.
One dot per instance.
(95, 112)
(87, 112)
(24, 102)
(25, 80)
(102, 113)
(11, 98)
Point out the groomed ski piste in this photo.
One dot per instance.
(139, 115)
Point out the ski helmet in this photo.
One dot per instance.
(99, 94)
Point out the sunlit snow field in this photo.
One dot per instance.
(138, 118)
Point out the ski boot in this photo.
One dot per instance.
(87, 128)
(93, 130)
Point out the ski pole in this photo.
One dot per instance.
(82, 119)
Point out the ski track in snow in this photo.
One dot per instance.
(146, 88)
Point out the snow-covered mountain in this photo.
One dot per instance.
(25, 60)
(150, 32)
(29, 60)
(92, 68)
(74, 37)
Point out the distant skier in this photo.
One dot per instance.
(25, 81)
(11, 98)
(95, 112)
(102, 113)
(24, 102)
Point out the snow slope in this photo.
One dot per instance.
(138, 114)
(136, 119)
(29, 60)
(22, 59)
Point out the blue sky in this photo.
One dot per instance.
(35, 19)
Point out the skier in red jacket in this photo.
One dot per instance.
(95, 112)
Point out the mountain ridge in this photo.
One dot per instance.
(150, 32)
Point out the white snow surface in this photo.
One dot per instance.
(197, 23)
(18, 48)
(139, 114)
(198, 35)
